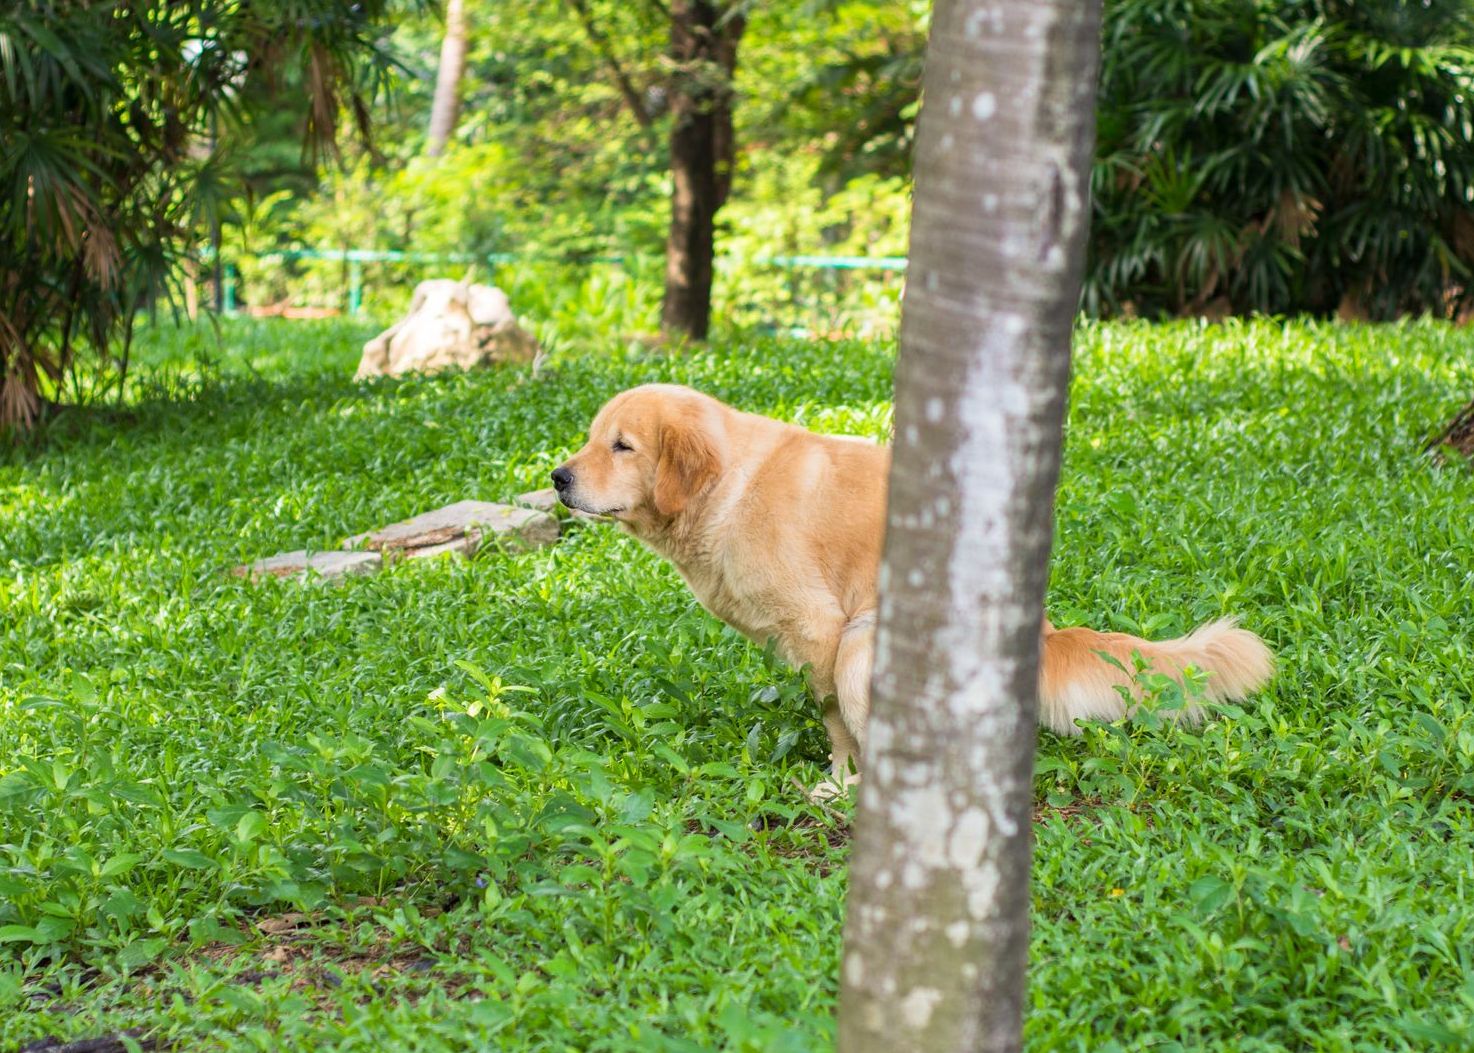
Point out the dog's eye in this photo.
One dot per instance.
(620, 446)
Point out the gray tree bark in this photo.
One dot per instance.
(936, 937)
(446, 109)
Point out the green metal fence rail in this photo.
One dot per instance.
(836, 263)
(356, 258)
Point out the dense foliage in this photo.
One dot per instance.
(586, 837)
(551, 163)
(1254, 155)
(1281, 156)
(118, 121)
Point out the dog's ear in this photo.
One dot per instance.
(688, 463)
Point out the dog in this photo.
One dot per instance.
(778, 530)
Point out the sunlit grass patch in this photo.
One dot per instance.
(569, 790)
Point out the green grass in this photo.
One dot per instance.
(542, 801)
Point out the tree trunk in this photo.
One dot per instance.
(1457, 435)
(936, 938)
(704, 40)
(447, 106)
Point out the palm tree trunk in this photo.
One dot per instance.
(936, 938)
(704, 39)
(447, 105)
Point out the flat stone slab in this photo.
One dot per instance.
(542, 500)
(465, 545)
(547, 501)
(462, 527)
(302, 564)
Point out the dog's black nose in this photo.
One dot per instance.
(562, 479)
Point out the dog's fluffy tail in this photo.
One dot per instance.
(1075, 683)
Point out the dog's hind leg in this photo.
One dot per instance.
(846, 714)
(852, 674)
(844, 749)
(839, 677)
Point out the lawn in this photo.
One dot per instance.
(541, 801)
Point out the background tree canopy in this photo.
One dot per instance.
(1283, 156)
(1253, 156)
(122, 126)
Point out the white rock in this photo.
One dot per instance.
(450, 324)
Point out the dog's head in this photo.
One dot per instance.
(651, 450)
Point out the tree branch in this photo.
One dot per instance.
(601, 44)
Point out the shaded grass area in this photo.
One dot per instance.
(542, 801)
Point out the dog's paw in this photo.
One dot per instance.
(827, 790)
(833, 788)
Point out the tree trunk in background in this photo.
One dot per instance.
(936, 938)
(1457, 435)
(447, 106)
(704, 39)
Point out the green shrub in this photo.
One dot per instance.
(1280, 156)
(115, 119)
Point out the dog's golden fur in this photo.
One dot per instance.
(778, 532)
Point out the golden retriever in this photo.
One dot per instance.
(778, 532)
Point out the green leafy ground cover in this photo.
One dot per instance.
(542, 801)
